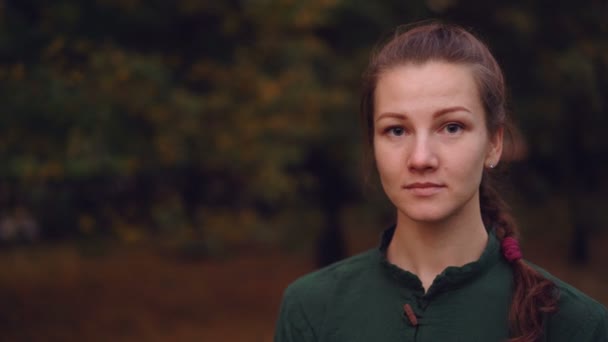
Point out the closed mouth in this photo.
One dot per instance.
(423, 185)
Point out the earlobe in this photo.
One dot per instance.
(495, 152)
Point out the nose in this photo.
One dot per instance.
(422, 156)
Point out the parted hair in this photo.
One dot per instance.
(533, 296)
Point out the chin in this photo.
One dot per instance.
(431, 212)
(426, 216)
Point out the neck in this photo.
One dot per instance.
(426, 249)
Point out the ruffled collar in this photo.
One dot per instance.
(451, 278)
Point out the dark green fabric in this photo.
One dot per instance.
(362, 299)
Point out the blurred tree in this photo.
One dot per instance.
(212, 104)
(234, 122)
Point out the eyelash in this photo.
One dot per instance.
(453, 124)
(391, 130)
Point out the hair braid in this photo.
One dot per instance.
(533, 295)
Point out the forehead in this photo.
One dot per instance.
(426, 86)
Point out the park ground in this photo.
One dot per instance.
(133, 293)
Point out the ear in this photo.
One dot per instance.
(495, 150)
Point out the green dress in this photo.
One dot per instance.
(363, 298)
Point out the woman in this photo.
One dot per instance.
(450, 269)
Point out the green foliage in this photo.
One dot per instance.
(200, 119)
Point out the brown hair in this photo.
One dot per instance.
(534, 295)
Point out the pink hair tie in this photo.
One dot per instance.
(510, 249)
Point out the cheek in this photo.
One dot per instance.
(388, 173)
(475, 150)
(387, 161)
(467, 167)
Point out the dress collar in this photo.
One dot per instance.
(451, 278)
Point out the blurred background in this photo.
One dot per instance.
(168, 167)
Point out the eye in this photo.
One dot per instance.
(453, 128)
(395, 131)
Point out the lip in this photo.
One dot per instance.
(424, 189)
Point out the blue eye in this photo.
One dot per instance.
(453, 128)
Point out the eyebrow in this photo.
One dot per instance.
(403, 115)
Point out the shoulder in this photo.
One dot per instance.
(579, 317)
(321, 284)
(307, 299)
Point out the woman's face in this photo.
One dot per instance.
(430, 140)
